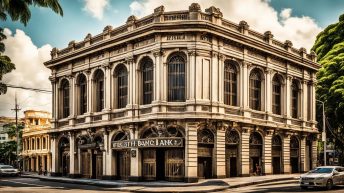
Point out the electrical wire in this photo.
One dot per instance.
(28, 88)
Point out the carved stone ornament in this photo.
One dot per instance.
(243, 25)
(256, 139)
(107, 28)
(232, 137)
(121, 135)
(194, 7)
(276, 141)
(88, 37)
(268, 35)
(159, 9)
(131, 19)
(288, 44)
(205, 136)
(214, 11)
(294, 142)
(162, 131)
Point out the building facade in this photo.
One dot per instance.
(36, 155)
(5, 122)
(180, 96)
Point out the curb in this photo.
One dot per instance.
(122, 187)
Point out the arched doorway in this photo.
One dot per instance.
(121, 157)
(206, 141)
(64, 156)
(276, 154)
(294, 154)
(256, 152)
(91, 155)
(163, 163)
(232, 149)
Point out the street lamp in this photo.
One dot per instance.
(324, 129)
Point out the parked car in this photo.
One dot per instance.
(7, 170)
(325, 176)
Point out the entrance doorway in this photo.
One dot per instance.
(204, 167)
(163, 164)
(276, 154)
(276, 165)
(205, 139)
(123, 164)
(294, 155)
(232, 144)
(85, 164)
(256, 144)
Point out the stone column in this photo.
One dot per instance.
(303, 154)
(304, 100)
(220, 153)
(49, 163)
(215, 81)
(245, 151)
(71, 154)
(220, 78)
(135, 162)
(108, 87)
(54, 156)
(245, 88)
(105, 155)
(267, 153)
(191, 152)
(314, 154)
(90, 92)
(72, 102)
(313, 101)
(288, 98)
(192, 77)
(286, 154)
(268, 93)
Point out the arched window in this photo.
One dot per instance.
(82, 94)
(99, 88)
(122, 86)
(147, 80)
(276, 95)
(65, 98)
(255, 90)
(230, 90)
(176, 78)
(295, 99)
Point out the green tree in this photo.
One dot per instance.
(329, 47)
(8, 152)
(18, 10)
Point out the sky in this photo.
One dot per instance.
(29, 46)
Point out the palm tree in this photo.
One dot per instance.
(19, 10)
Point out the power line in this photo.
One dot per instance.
(31, 89)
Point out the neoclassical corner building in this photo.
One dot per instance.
(180, 96)
(36, 149)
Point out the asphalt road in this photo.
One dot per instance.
(29, 185)
(282, 187)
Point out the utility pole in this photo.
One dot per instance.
(16, 109)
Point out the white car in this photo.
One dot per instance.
(7, 170)
(325, 176)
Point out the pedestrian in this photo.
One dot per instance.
(258, 170)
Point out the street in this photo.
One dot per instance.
(280, 187)
(19, 185)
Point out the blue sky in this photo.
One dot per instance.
(29, 47)
(45, 27)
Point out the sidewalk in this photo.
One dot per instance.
(210, 185)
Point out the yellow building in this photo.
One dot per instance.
(36, 148)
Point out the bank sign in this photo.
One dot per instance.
(144, 143)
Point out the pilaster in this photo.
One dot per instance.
(220, 153)
(135, 161)
(268, 152)
(303, 154)
(71, 154)
(286, 154)
(191, 153)
(245, 151)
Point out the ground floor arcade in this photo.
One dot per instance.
(181, 151)
(37, 163)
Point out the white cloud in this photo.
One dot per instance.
(30, 72)
(96, 7)
(259, 14)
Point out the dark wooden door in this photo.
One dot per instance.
(123, 164)
(99, 165)
(294, 162)
(174, 164)
(205, 167)
(149, 164)
(276, 165)
(233, 167)
(85, 164)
